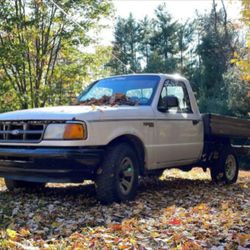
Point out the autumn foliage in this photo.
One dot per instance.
(243, 60)
(181, 211)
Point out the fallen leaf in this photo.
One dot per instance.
(175, 222)
(11, 233)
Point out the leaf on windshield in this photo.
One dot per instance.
(116, 99)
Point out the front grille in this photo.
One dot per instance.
(21, 131)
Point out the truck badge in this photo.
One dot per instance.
(15, 132)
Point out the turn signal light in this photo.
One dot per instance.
(74, 132)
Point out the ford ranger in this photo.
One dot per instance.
(121, 128)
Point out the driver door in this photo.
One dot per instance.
(179, 129)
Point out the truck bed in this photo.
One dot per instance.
(225, 126)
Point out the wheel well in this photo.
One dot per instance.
(138, 146)
(213, 146)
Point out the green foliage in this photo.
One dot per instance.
(238, 101)
(150, 45)
(242, 59)
(41, 54)
(215, 50)
(126, 45)
(159, 44)
(219, 85)
(164, 41)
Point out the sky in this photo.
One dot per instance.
(179, 9)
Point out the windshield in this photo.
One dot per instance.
(124, 90)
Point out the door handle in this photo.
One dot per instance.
(148, 124)
(195, 122)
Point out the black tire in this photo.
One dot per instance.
(226, 169)
(120, 167)
(16, 184)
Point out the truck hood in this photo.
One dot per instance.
(84, 113)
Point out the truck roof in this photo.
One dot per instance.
(175, 76)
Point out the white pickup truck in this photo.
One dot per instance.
(123, 127)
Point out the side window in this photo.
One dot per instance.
(177, 89)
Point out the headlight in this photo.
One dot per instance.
(67, 131)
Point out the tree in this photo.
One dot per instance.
(146, 27)
(242, 59)
(218, 43)
(185, 39)
(126, 46)
(238, 100)
(159, 44)
(39, 46)
(164, 40)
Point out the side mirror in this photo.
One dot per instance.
(168, 102)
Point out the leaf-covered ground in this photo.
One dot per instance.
(180, 211)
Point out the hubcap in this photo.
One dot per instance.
(126, 175)
(230, 167)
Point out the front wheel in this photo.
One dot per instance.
(14, 184)
(117, 177)
(226, 168)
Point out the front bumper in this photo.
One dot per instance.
(49, 164)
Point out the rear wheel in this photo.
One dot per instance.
(226, 168)
(117, 178)
(14, 184)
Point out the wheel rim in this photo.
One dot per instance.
(230, 167)
(126, 175)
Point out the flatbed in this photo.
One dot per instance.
(225, 126)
